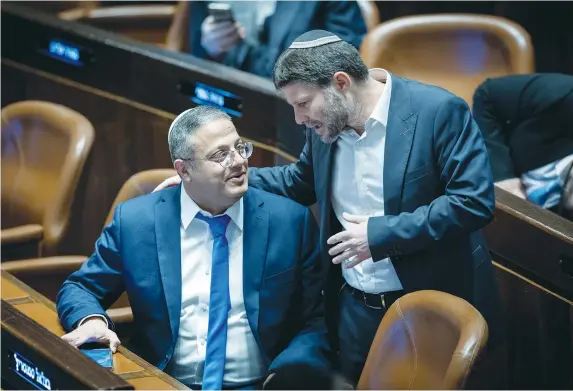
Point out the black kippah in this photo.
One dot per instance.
(314, 38)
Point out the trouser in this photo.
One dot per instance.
(360, 315)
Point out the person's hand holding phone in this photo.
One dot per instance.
(93, 330)
(219, 36)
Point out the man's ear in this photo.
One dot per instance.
(183, 169)
(341, 81)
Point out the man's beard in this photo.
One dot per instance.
(335, 115)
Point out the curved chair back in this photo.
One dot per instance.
(139, 184)
(148, 23)
(46, 275)
(370, 13)
(44, 148)
(426, 340)
(453, 51)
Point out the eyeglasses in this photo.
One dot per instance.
(226, 158)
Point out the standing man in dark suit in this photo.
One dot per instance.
(527, 124)
(402, 179)
(266, 28)
(223, 280)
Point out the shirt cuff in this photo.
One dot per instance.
(92, 316)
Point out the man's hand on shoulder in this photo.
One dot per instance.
(93, 330)
(169, 182)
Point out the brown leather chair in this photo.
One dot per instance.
(46, 275)
(370, 13)
(148, 23)
(453, 51)
(426, 340)
(44, 148)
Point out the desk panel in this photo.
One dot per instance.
(150, 383)
(12, 291)
(43, 315)
(127, 365)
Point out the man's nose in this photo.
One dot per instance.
(300, 118)
(238, 160)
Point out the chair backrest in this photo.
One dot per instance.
(139, 184)
(44, 148)
(149, 23)
(453, 51)
(426, 340)
(370, 13)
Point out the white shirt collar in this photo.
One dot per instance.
(382, 108)
(189, 210)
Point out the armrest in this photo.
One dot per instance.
(44, 266)
(21, 234)
(121, 315)
(45, 275)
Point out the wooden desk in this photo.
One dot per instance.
(133, 369)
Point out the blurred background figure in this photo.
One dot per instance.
(260, 30)
(527, 124)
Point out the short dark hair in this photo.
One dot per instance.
(316, 65)
(188, 123)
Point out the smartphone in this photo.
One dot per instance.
(100, 353)
(221, 12)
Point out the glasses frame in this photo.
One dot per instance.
(230, 155)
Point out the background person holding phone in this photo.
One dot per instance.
(250, 35)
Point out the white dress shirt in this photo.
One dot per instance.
(358, 189)
(244, 363)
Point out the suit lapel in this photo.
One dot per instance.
(255, 238)
(323, 155)
(399, 137)
(167, 224)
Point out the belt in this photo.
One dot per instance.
(377, 301)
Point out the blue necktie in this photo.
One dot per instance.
(219, 304)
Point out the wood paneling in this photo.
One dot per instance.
(539, 335)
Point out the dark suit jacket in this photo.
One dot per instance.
(140, 252)
(438, 194)
(291, 19)
(526, 121)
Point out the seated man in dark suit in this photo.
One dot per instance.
(527, 124)
(224, 280)
(269, 27)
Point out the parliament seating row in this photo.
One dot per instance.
(453, 51)
(47, 274)
(427, 340)
(160, 24)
